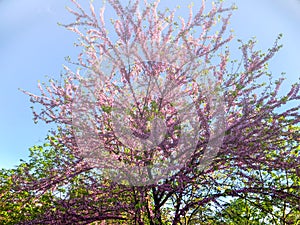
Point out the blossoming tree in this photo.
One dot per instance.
(158, 126)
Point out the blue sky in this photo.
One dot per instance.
(32, 46)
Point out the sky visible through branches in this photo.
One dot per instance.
(32, 46)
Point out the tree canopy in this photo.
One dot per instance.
(159, 126)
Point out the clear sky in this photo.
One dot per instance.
(32, 46)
